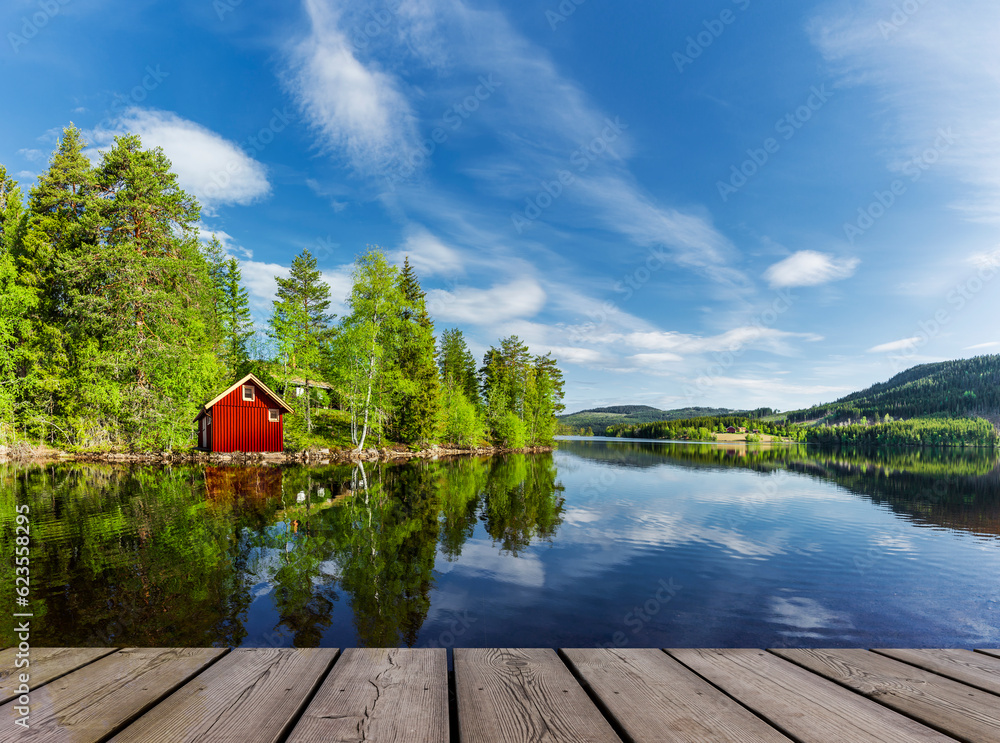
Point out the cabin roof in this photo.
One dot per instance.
(248, 378)
(299, 382)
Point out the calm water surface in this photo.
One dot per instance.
(603, 542)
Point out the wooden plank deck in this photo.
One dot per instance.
(91, 695)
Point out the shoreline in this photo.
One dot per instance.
(314, 456)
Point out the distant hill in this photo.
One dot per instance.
(966, 387)
(598, 419)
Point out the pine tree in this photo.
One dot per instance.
(457, 364)
(420, 392)
(300, 323)
(62, 227)
(15, 301)
(237, 324)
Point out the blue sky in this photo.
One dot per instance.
(717, 203)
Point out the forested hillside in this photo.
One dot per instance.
(117, 323)
(966, 387)
(597, 420)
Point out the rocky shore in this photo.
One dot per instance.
(313, 456)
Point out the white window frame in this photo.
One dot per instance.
(253, 393)
(273, 415)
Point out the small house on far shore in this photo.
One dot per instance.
(247, 417)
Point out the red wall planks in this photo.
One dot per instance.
(243, 425)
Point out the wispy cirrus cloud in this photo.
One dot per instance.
(939, 67)
(902, 344)
(359, 111)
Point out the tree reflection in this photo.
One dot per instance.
(176, 555)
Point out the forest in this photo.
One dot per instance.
(948, 388)
(117, 322)
(705, 428)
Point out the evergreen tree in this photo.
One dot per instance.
(458, 365)
(300, 323)
(419, 389)
(237, 324)
(63, 227)
(15, 301)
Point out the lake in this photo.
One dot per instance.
(603, 542)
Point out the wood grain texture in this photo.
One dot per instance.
(521, 696)
(654, 698)
(959, 710)
(254, 695)
(806, 707)
(97, 700)
(44, 665)
(385, 695)
(974, 669)
(989, 651)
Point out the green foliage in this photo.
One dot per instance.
(705, 428)
(913, 432)
(419, 392)
(949, 388)
(300, 322)
(600, 419)
(117, 324)
(457, 364)
(459, 421)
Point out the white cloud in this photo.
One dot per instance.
(901, 345)
(520, 298)
(938, 70)
(207, 165)
(359, 111)
(980, 346)
(428, 255)
(749, 336)
(809, 268)
(31, 155)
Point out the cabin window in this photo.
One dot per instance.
(272, 415)
(248, 392)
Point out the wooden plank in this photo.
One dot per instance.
(989, 651)
(974, 669)
(801, 704)
(254, 695)
(97, 700)
(654, 698)
(517, 696)
(44, 665)
(379, 694)
(959, 710)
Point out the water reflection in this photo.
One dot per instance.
(952, 488)
(177, 555)
(760, 546)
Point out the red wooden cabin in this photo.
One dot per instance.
(247, 417)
